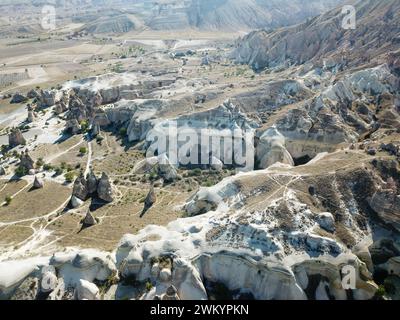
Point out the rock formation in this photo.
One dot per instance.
(317, 40)
(91, 182)
(49, 98)
(89, 219)
(26, 161)
(271, 149)
(72, 126)
(104, 188)
(18, 98)
(60, 107)
(170, 294)
(80, 189)
(75, 202)
(166, 169)
(33, 94)
(15, 138)
(151, 199)
(38, 183)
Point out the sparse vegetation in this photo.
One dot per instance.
(47, 167)
(82, 150)
(123, 132)
(69, 177)
(8, 200)
(149, 286)
(21, 171)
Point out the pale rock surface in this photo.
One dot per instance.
(271, 149)
(75, 202)
(87, 291)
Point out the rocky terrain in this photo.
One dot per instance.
(307, 189)
(121, 16)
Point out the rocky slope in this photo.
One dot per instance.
(322, 40)
(322, 198)
(205, 15)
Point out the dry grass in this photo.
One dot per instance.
(118, 218)
(9, 188)
(14, 234)
(35, 203)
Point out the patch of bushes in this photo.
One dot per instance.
(21, 171)
(69, 177)
(84, 126)
(47, 167)
(59, 171)
(39, 162)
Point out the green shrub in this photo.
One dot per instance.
(381, 292)
(196, 172)
(149, 286)
(47, 167)
(8, 200)
(84, 126)
(39, 162)
(123, 132)
(69, 176)
(82, 150)
(21, 171)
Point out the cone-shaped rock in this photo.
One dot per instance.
(150, 199)
(26, 161)
(89, 220)
(38, 183)
(171, 294)
(80, 189)
(91, 182)
(15, 138)
(104, 189)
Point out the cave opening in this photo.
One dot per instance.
(302, 160)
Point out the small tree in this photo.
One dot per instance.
(69, 177)
(39, 162)
(8, 200)
(123, 132)
(47, 167)
(149, 286)
(82, 150)
(59, 171)
(84, 126)
(21, 171)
